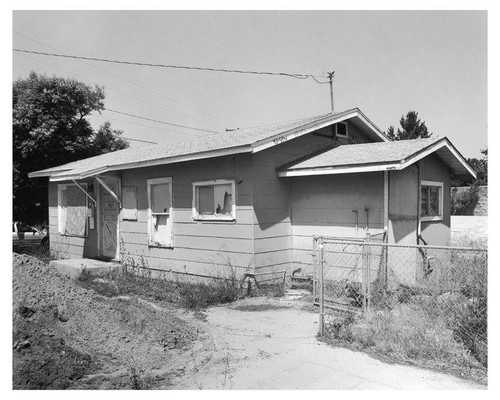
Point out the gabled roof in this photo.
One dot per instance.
(240, 141)
(384, 156)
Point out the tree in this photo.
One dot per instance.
(413, 128)
(49, 129)
(480, 166)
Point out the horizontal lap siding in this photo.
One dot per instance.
(199, 247)
(271, 201)
(437, 232)
(323, 205)
(68, 246)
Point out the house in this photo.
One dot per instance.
(253, 198)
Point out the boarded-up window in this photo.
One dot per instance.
(160, 212)
(214, 200)
(431, 200)
(73, 210)
(129, 203)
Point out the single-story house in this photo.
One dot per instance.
(253, 198)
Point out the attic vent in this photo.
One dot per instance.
(341, 129)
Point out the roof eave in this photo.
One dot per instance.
(143, 164)
(387, 166)
(329, 120)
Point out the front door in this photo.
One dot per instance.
(109, 211)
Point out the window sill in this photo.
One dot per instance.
(158, 246)
(69, 235)
(431, 219)
(214, 219)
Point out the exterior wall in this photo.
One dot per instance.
(199, 247)
(437, 233)
(323, 205)
(69, 246)
(272, 199)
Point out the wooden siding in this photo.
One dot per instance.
(69, 246)
(403, 206)
(437, 232)
(201, 247)
(323, 205)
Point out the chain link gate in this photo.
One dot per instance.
(369, 276)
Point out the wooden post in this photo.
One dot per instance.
(321, 289)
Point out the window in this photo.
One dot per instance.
(72, 210)
(160, 225)
(214, 200)
(431, 201)
(341, 129)
(129, 203)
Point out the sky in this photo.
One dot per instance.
(386, 63)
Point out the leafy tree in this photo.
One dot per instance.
(49, 129)
(412, 128)
(480, 166)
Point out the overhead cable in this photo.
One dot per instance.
(236, 71)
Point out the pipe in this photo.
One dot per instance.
(386, 201)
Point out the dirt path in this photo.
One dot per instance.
(263, 343)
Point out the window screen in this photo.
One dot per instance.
(430, 200)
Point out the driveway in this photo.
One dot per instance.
(260, 343)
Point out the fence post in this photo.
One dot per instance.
(368, 271)
(321, 288)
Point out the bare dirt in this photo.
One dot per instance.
(69, 337)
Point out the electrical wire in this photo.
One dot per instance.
(107, 60)
(214, 117)
(160, 122)
(144, 118)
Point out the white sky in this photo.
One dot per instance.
(386, 63)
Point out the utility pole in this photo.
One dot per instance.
(330, 77)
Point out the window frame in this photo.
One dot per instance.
(150, 183)
(346, 136)
(215, 217)
(440, 186)
(60, 230)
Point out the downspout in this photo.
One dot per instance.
(386, 202)
(419, 228)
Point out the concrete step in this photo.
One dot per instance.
(72, 268)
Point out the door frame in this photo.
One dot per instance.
(99, 192)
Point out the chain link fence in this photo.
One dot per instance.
(420, 301)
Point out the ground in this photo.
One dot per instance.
(66, 336)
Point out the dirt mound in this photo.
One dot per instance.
(56, 321)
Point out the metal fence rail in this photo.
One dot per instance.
(445, 284)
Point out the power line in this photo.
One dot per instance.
(137, 140)
(106, 86)
(236, 71)
(143, 126)
(160, 122)
(214, 117)
(144, 118)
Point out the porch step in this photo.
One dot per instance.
(72, 268)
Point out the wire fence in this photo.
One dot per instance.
(426, 298)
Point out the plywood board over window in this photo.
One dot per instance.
(72, 210)
(129, 203)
